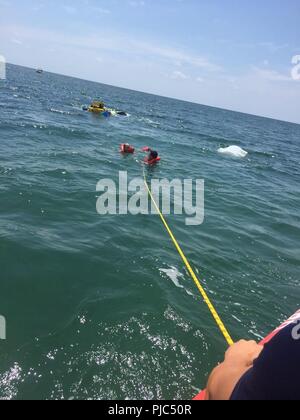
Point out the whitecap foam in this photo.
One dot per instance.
(58, 111)
(235, 151)
(175, 275)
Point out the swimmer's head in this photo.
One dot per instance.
(153, 155)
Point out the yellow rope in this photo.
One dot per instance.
(192, 273)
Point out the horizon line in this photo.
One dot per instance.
(159, 96)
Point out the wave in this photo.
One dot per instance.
(58, 111)
(149, 122)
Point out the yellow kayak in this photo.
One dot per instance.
(96, 110)
(97, 107)
(100, 109)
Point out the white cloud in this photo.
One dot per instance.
(179, 75)
(272, 47)
(177, 56)
(17, 41)
(272, 75)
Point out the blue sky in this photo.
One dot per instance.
(234, 54)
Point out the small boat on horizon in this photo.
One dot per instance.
(40, 71)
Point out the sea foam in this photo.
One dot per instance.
(174, 275)
(235, 151)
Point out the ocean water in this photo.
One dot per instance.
(102, 307)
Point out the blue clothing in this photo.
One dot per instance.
(276, 373)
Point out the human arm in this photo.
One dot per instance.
(239, 358)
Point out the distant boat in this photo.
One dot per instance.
(40, 71)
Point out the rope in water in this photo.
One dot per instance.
(208, 302)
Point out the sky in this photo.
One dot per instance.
(233, 54)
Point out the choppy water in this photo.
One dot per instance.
(102, 307)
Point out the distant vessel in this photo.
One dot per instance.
(98, 107)
(40, 71)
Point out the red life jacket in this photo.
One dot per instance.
(152, 161)
(125, 148)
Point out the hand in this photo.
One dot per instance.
(239, 358)
(243, 353)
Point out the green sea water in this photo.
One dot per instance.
(101, 307)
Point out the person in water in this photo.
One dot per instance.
(127, 148)
(153, 155)
(253, 372)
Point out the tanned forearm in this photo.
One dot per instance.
(239, 358)
(223, 381)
